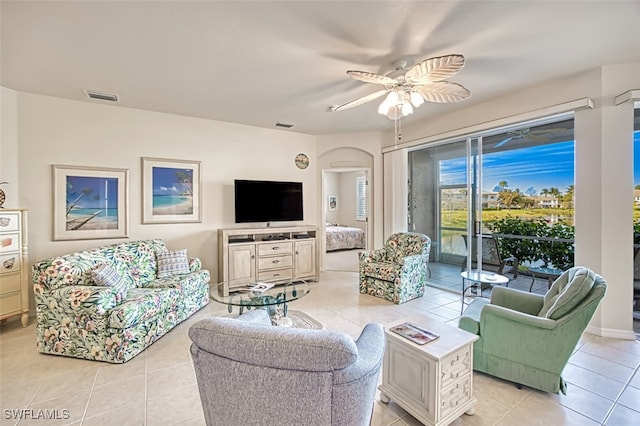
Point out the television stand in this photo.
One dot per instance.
(277, 255)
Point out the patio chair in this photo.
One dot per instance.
(528, 338)
(491, 259)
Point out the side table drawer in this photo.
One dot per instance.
(9, 283)
(275, 262)
(9, 263)
(455, 366)
(455, 396)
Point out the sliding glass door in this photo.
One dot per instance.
(521, 176)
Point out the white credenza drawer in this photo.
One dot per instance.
(268, 249)
(10, 283)
(275, 262)
(275, 275)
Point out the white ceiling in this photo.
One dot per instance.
(263, 62)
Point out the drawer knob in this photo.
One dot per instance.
(276, 261)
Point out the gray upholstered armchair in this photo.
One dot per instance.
(398, 271)
(250, 372)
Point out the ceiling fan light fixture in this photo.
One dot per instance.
(416, 99)
(408, 89)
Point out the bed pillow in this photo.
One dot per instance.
(106, 276)
(172, 263)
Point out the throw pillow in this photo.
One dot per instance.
(106, 276)
(567, 292)
(172, 263)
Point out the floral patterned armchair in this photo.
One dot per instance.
(82, 318)
(397, 272)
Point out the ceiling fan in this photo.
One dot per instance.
(408, 88)
(536, 135)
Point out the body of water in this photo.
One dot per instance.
(104, 214)
(168, 200)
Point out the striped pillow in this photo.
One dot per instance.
(172, 263)
(104, 275)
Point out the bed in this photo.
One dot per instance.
(344, 237)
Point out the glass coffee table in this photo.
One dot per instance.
(274, 299)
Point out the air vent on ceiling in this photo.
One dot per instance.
(92, 94)
(284, 125)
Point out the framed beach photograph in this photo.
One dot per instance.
(90, 203)
(170, 191)
(332, 202)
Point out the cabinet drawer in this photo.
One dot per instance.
(275, 275)
(9, 222)
(455, 366)
(455, 396)
(9, 303)
(9, 242)
(9, 263)
(9, 283)
(268, 249)
(275, 262)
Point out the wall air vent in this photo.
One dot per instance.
(284, 125)
(92, 94)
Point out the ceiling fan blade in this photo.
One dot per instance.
(361, 101)
(434, 69)
(369, 77)
(502, 142)
(443, 92)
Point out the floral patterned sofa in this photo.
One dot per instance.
(113, 323)
(398, 271)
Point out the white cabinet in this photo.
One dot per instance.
(14, 264)
(305, 259)
(277, 255)
(433, 382)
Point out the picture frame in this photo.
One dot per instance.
(90, 203)
(171, 191)
(332, 203)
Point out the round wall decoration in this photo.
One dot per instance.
(302, 161)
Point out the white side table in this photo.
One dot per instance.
(433, 382)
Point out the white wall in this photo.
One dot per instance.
(332, 188)
(58, 131)
(9, 146)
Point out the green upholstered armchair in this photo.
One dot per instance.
(528, 338)
(398, 271)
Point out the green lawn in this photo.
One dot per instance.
(458, 218)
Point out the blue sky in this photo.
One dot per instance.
(165, 181)
(537, 167)
(95, 191)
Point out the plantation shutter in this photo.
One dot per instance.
(361, 198)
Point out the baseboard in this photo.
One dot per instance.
(611, 332)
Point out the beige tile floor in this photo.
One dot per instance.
(158, 387)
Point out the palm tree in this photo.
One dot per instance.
(503, 185)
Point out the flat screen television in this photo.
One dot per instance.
(267, 201)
